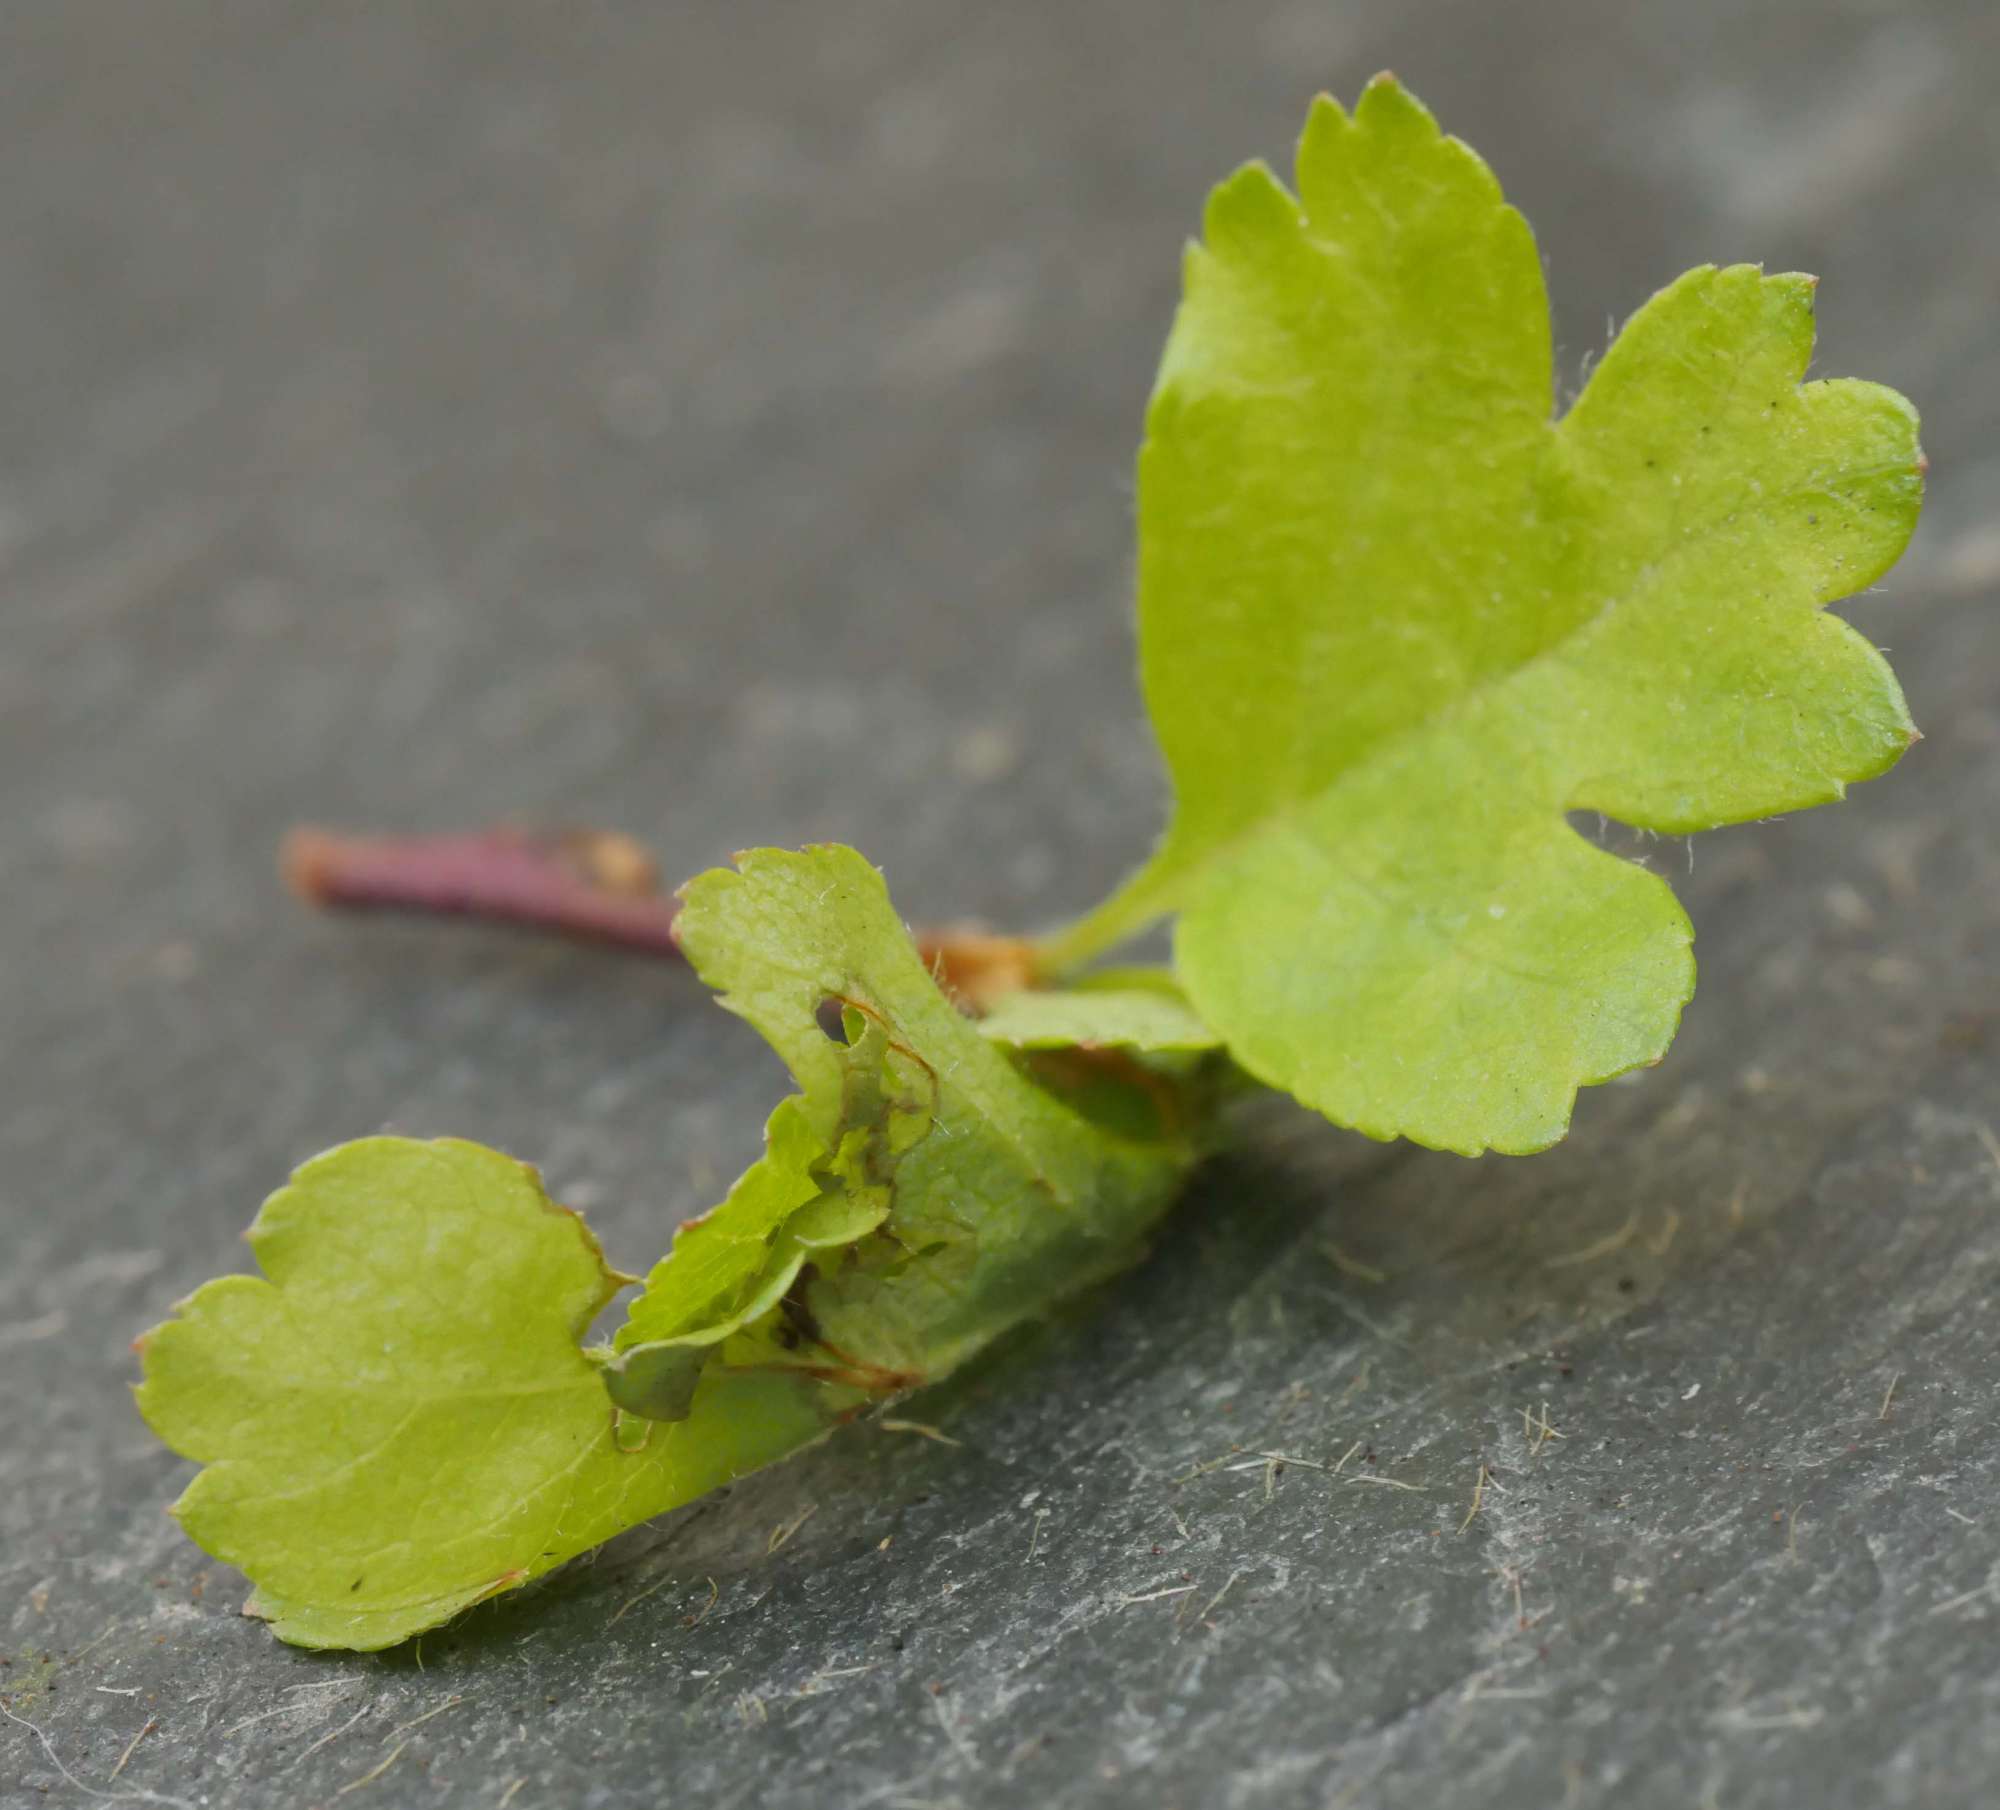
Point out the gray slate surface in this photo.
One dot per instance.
(716, 421)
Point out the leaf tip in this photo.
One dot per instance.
(1245, 206)
(1388, 103)
(1802, 286)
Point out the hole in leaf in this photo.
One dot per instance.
(831, 1016)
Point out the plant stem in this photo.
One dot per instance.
(1140, 901)
(590, 884)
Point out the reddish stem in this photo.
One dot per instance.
(591, 884)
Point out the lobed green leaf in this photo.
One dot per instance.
(398, 1420)
(1396, 620)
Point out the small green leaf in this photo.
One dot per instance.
(399, 1422)
(955, 1195)
(805, 1194)
(1396, 620)
(1131, 1018)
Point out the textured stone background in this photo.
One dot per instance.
(716, 421)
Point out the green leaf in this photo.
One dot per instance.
(731, 1265)
(1396, 620)
(1134, 1017)
(812, 1190)
(399, 1422)
(953, 1195)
